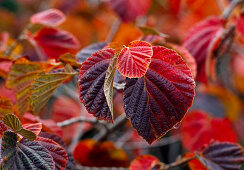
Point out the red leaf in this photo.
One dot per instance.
(33, 127)
(200, 40)
(134, 60)
(199, 128)
(174, 5)
(129, 10)
(91, 82)
(50, 17)
(145, 162)
(56, 151)
(56, 42)
(158, 101)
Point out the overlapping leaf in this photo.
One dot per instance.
(200, 40)
(56, 151)
(55, 42)
(86, 52)
(134, 60)
(6, 106)
(45, 86)
(50, 17)
(158, 101)
(199, 128)
(14, 124)
(24, 154)
(129, 10)
(222, 156)
(70, 59)
(109, 81)
(21, 77)
(33, 127)
(91, 83)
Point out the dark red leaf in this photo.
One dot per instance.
(56, 151)
(129, 10)
(218, 156)
(144, 162)
(158, 101)
(24, 154)
(133, 61)
(91, 82)
(199, 128)
(50, 17)
(55, 42)
(200, 40)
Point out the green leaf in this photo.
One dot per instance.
(24, 154)
(109, 81)
(12, 122)
(27, 134)
(6, 106)
(44, 87)
(20, 78)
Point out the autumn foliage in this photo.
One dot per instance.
(138, 84)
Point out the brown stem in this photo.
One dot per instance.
(177, 163)
(19, 40)
(113, 30)
(234, 3)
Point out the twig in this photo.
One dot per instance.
(113, 30)
(234, 3)
(177, 163)
(77, 120)
(110, 128)
(19, 40)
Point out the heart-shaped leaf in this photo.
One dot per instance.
(56, 151)
(200, 40)
(91, 83)
(129, 10)
(134, 60)
(55, 42)
(24, 154)
(158, 101)
(6, 106)
(50, 17)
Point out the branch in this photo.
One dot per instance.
(77, 120)
(177, 163)
(19, 40)
(234, 3)
(113, 30)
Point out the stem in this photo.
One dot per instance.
(110, 128)
(226, 13)
(19, 40)
(177, 163)
(113, 30)
(76, 120)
